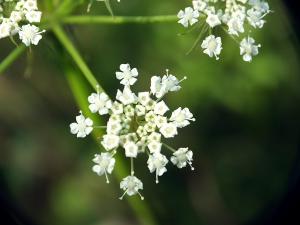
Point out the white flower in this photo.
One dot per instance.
(128, 75)
(140, 110)
(156, 87)
(188, 16)
(199, 5)
(131, 185)
(15, 16)
(254, 17)
(82, 127)
(110, 141)
(181, 117)
(30, 5)
(157, 163)
(131, 149)
(104, 164)
(212, 46)
(144, 98)
(160, 120)
(113, 127)
(235, 26)
(248, 49)
(154, 137)
(127, 96)
(182, 157)
(154, 147)
(33, 16)
(5, 30)
(213, 20)
(160, 108)
(168, 130)
(30, 34)
(99, 102)
(117, 108)
(171, 83)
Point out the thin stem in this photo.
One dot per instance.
(131, 166)
(118, 19)
(101, 127)
(169, 147)
(66, 42)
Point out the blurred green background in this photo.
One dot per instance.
(245, 138)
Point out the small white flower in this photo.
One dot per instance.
(128, 75)
(160, 108)
(248, 49)
(154, 136)
(181, 117)
(144, 98)
(156, 87)
(110, 141)
(199, 5)
(213, 20)
(140, 110)
(117, 108)
(157, 162)
(235, 26)
(154, 147)
(188, 16)
(127, 96)
(160, 120)
(82, 127)
(168, 130)
(182, 157)
(212, 46)
(254, 17)
(33, 16)
(113, 127)
(131, 186)
(131, 149)
(104, 164)
(30, 34)
(15, 16)
(99, 102)
(30, 5)
(5, 29)
(171, 83)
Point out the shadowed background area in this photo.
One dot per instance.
(245, 139)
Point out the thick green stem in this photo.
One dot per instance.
(80, 92)
(118, 19)
(5, 63)
(68, 45)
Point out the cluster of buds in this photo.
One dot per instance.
(18, 17)
(136, 125)
(236, 17)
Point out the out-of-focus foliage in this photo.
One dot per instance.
(244, 139)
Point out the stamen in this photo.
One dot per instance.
(121, 198)
(107, 180)
(141, 196)
(156, 177)
(184, 78)
(167, 71)
(190, 164)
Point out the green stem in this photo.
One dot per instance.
(119, 19)
(140, 208)
(68, 45)
(13, 55)
(169, 147)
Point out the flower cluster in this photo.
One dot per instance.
(136, 125)
(236, 17)
(17, 16)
